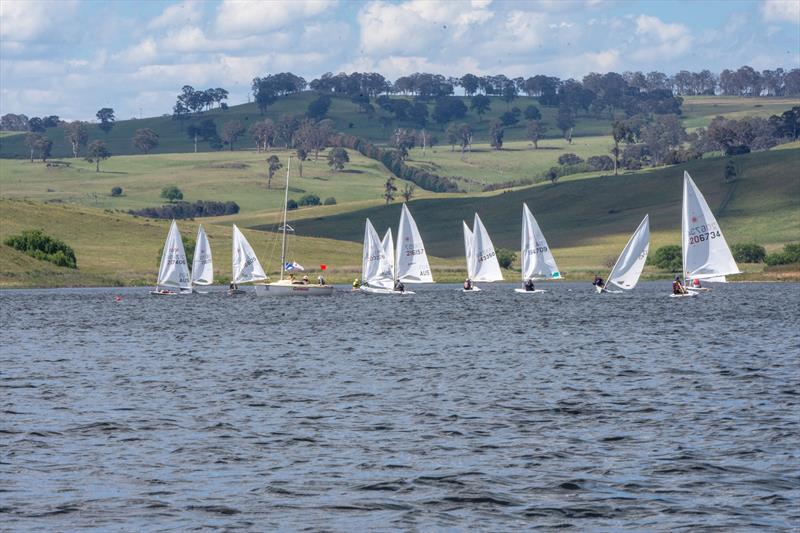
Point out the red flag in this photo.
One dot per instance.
(323, 267)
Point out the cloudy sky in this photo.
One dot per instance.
(71, 57)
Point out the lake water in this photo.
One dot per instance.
(441, 411)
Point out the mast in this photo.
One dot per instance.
(285, 206)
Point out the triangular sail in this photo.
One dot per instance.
(705, 252)
(245, 263)
(537, 260)
(174, 269)
(630, 262)
(484, 259)
(376, 269)
(202, 266)
(468, 250)
(388, 249)
(412, 261)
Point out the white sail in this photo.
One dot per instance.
(388, 249)
(412, 261)
(483, 258)
(245, 263)
(468, 250)
(705, 252)
(630, 262)
(376, 267)
(202, 266)
(174, 269)
(537, 260)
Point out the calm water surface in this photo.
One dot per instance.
(442, 411)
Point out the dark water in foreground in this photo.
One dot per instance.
(442, 411)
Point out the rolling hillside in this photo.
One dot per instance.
(698, 111)
(762, 206)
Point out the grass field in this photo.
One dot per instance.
(115, 249)
(230, 176)
(517, 160)
(698, 111)
(594, 216)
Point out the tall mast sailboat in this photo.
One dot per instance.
(286, 287)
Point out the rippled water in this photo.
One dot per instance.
(490, 411)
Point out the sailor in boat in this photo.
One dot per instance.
(528, 285)
(356, 284)
(305, 280)
(291, 279)
(399, 287)
(696, 284)
(598, 282)
(467, 284)
(677, 288)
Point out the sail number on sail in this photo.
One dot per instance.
(486, 256)
(418, 251)
(702, 237)
(536, 250)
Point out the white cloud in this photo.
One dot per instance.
(145, 51)
(27, 20)
(417, 27)
(237, 18)
(781, 11)
(187, 12)
(658, 40)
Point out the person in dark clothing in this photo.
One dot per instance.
(528, 286)
(467, 284)
(398, 286)
(598, 282)
(677, 288)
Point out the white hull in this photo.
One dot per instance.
(170, 292)
(601, 290)
(698, 289)
(473, 289)
(292, 289)
(687, 295)
(376, 290)
(523, 291)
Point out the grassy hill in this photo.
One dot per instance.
(698, 111)
(588, 219)
(223, 176)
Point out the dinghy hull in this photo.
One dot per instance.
(376, 290)
(293, 289)
(523, 291)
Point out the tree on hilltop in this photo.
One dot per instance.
(106, 118)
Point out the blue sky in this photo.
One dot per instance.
(72, 57)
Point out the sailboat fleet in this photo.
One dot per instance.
(387, 266)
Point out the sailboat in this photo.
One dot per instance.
(482, 264)
(706, 255)
(537, 259)
(246, 268)
(173, 272)
(202, 266)
(377, 266)
(630, 263)
(285, 287)
(409, 262)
